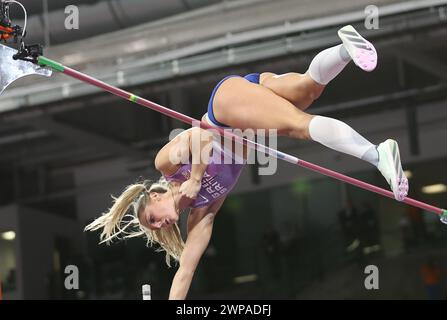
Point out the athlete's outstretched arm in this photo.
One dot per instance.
(200, 227)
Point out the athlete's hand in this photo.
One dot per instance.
(190, 188)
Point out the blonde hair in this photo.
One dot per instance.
(114, 222)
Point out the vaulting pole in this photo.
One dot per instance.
(42, 61)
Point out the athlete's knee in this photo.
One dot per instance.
(303, 91)
(315, 93)
(265, 78)
(298, 128)
(312, 88)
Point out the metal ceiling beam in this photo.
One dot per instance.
(196, 58)
(380, 99)
(186, 5)
(83, 138)
(422, 61)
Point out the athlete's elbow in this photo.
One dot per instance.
(161, 164)
(158, 163)
(186, 272)
(188, 265)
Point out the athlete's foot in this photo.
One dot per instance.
(361, 51)
(391, 168)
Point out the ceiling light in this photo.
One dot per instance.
(245, 279)
(9, 235)
(408, 174)
(434, 188)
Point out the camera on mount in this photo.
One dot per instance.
(29, 53)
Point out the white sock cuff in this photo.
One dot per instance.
(339, 136)
(327, 64)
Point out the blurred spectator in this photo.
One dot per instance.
(405, 228)
(209, 267)
(350, 224)
(271, 248)
(289, 248)
(368, 219)
(417, 225)
(368, 229)
(348, 219)
(10, 281)
(431, 276)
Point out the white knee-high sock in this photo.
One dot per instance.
(339, 136)
(328, 64)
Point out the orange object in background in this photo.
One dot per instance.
(5, 36)
(431, 274)
(1, 291)
(5, 33)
